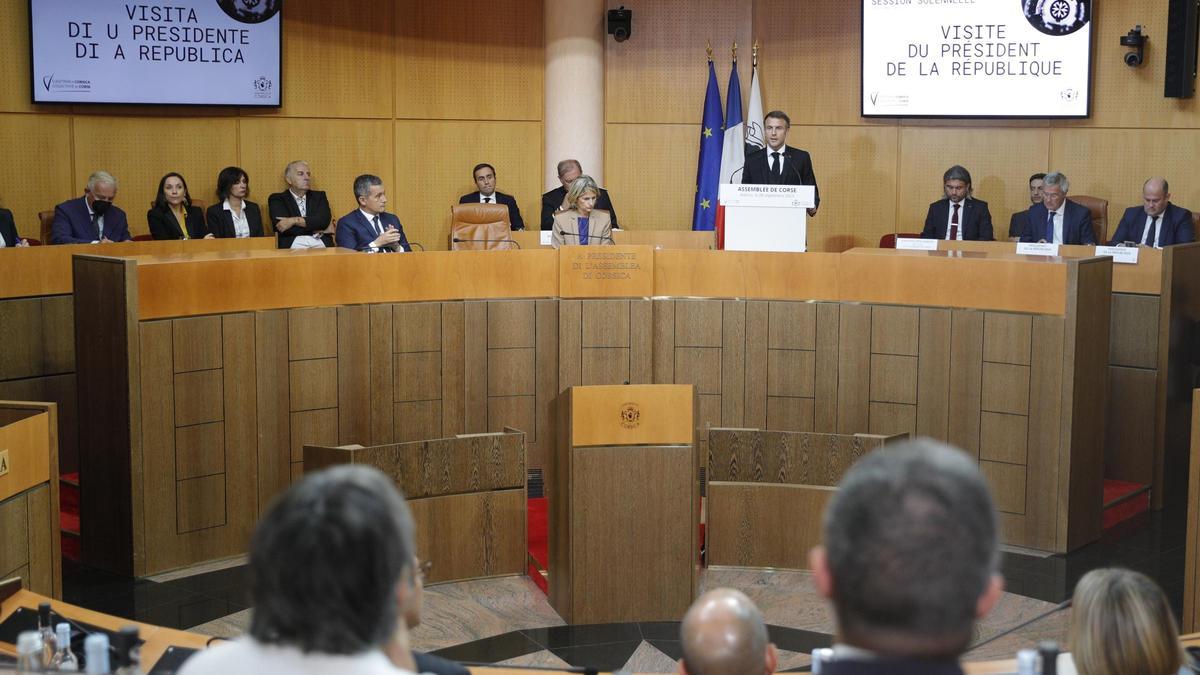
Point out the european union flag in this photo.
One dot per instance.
(708, 169)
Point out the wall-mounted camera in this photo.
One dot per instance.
(1136, 41)
(620, 23)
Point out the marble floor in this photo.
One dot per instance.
(509, 621)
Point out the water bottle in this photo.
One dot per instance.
(64, 659)
(95, 649)
(46, 630)
(29, 652)
(1027, 662)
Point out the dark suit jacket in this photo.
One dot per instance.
(1016, 225)
(514, 213)
(1175, 225)
(428, 663)
(888, 667)
(355, 232)
(164, 226)
(554, 199)
(797, 170)
(220, 222)
(73, 224)
(8, 229)
(283, 205)
(1077, 224)
(975, 221)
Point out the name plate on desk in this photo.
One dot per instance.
(605, 271)
(916, 244)
(1027, 248)
(1127, 255)
(546, 238)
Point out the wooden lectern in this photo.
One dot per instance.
(29, 529)
(624, 504)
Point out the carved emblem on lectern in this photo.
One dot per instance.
(631, 415)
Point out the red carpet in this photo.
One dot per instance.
(68, 514)
(1124, 500)
(536, 533)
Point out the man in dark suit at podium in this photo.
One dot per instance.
(299, 214)
(485, 179)
(779, 163)
(1017, 224)
(1058, 220)
(555, 201)
(910, 560)
(958, 216)
(370, 228)
(1157, 222)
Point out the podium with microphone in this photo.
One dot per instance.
(766, 217)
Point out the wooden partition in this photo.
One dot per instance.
(625, 500)
(259, 354)
(467, 496)
(30, 545)
(677, 239)
(767, 492)
(1155, 307)
(1191, 572)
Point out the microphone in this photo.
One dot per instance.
(740, 169)
(485, 241)
(417, 244)
(591, 236)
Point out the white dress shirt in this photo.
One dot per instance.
(782, 158)
(1157, 231)
(301, 202)
(250, 657)
(241, 225)
(484, 199)
(1058, 224)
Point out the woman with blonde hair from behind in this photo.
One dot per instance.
(1121, 624)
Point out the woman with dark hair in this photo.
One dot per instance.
(172, 215)
(233, 215)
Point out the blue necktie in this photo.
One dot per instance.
(1050, 227)
(583, 231)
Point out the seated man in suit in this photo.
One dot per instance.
(910, 560)
(959, 216)
(780, 163)
(723, 633)
(485, 180)
(333, 572)
(92, 218)
(8, 231)
(300, 215)
(370, 227)
(1017, 223)
(1058, 220)
(1157, 222)
(554, 202)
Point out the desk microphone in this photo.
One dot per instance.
(486, 241)
(417, 244)
(591, 236)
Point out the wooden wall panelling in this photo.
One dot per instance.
(353, 344)
(1133, 331)
(664, 341)
(757, 349)
(825, 407)
(108, 360)
(453, 369)
(765, 525)
(31, 182)
(274, 420)
(512, 365)
(854, 369)
(540, 445)
(475, 366)
(1132, 395)
(381, 378)
(570, 344)
(45, 557)
(15, 553)
(791, 367)
(605, 350)
(1177, 358)
(641, 341)
(1043, 492)
(933, 373)
(1085, 360)
(159, 466)
(240, 479)
(966, 376)
(417, 367)
(489, 529)
(733, 362)
(651, 195)
(1191, 592)
(697, 355)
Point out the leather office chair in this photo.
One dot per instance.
(143, 237)
(1195, 221)
(1099, 209)
(488, 224)
(46, 218)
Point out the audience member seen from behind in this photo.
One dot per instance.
(1017, 224)
(8, 231)
(332, 576)
(300, 214)
(958, 216)
(233, 216)
(582, 223)
(370, 228)
(723, 633)
(172, 215)
(1121, 623)
(909, 560)
(1058, 220)
(92, 218)
(1157, 222)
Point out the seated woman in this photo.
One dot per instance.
(582, 223)
(172, 215)
(232, 215)
(8, 231)
(1121, 623)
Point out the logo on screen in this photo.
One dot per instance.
(1057, 17)
(47, 80)
(262, 86)
(250, 11)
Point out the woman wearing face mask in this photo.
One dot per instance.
(582, 223)
(172, 215)
(233, 215)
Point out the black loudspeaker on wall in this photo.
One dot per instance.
(1180, 80)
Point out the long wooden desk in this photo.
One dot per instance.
(670, 239)
(1155, 311)
(37, 322)
(257, 354)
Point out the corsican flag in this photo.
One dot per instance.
(754, 115)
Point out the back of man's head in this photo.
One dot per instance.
(723, 634)
(328, 560)
(911, 551)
